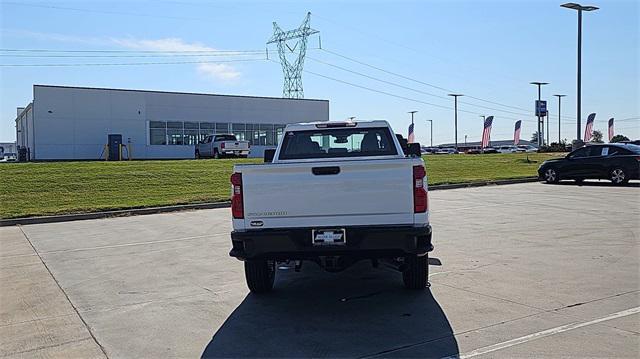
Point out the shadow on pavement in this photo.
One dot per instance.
(362, 311)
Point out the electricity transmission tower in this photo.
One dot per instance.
(292, 46)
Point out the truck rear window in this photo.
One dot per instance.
(343, 142)
(226, 138)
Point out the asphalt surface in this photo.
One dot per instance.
(526, 270)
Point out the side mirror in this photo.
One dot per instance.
(268, 155)
(413, 149)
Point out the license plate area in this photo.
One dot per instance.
(329, 237)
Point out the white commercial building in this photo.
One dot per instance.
(73, 123)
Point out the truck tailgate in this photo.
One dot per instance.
(328, 194)
(236, 145)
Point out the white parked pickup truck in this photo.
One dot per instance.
(334, 193)
(222, 145)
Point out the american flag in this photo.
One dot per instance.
(516, 133)
(486, 132)
(611, 129)
(410, 137)
(588, 130)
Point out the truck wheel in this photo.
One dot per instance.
(260, 275)
(416, 275)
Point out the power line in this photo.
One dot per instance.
(131, 56)
(441, 59)
(429, 84)
(129, 51)
(129, 63)
(388, 93)
(401, 86)
(108, 12)
(412, 89)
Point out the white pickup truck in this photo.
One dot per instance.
(334, 193)
(222, 145)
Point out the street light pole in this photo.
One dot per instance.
(580, 9)
(412, 112)
(455, 100)
(559, 113)
(431, 137)
(539, 84)
(548, 143)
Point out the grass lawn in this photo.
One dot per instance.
(35, 189)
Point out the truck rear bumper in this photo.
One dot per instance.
(235, 152)
(362, 242)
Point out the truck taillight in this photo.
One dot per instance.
(420, 200)
(222, 145)
(237, 206)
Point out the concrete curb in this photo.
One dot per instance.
(484, 183)
(190, 207)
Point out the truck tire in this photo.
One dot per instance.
(216, 155)
(416, 275)
(260, 275)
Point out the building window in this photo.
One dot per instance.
(190, 133)
(206, 129)
(279, 130)
(222, 127)
(238, 129)
(157, 133)
(175, 133)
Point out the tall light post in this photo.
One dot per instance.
(548, 117)
(455, 106)
(559, 113)
(431, 127)
(580, 9)
(539, 84)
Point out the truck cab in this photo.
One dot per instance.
(334, 194)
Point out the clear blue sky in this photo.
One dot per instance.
(486, 49)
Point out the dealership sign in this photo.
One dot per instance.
(541, 108)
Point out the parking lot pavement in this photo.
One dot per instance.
(518, 271)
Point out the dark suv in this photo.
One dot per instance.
(616, 162)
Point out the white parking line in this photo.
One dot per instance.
(546, 333)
